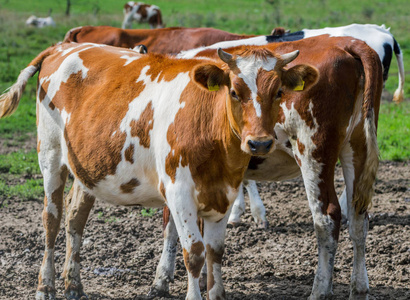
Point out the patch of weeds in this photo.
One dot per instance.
(31, 189)
(20, 163)
(111, 219)
(148, 212)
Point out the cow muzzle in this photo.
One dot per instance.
(259, 146)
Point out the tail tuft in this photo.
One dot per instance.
(10, 99)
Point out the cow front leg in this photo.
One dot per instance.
(184, 213)
(324, 205)
(54, 182)
(165, 269)
(214, 237)
(78, 206)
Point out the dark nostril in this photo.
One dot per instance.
(268, 145)
(252, 145)
(260, 147)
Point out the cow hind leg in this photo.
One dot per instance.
(54, 181)
(359, 162)
(78, 206)
(358, 227)
(238, 208)
(257, 208)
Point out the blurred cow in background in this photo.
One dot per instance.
(142, 13)
(40, 22)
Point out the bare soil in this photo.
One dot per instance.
(121, 247)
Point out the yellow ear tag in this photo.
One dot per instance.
(300, 86)
(213, 88)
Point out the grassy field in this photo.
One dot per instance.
(19, 45)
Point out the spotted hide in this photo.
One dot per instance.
(142, 13)
(335, 119)
(148, 129)
(379, 38)
(163, 40)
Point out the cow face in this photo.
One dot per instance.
(254, 83)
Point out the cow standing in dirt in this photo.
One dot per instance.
(151, 130)
(335, 119)
(142, 13)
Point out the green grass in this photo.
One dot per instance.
(394, 131)
(20, 163)
(19, 45)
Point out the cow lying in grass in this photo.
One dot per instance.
(40, 22)
(151, 130)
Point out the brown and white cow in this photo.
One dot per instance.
(165, 40)
(335, 119)
(142, 13)
(148, 130)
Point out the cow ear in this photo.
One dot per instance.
(210, 77)
(300, 77)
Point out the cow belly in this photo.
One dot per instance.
(130, 193)
(277, 167)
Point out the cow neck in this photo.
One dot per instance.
(232, 123)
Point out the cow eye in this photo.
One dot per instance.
(234, 94)
(279, 94)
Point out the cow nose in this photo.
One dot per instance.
(259, 148)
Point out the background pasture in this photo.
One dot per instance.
(20, 177)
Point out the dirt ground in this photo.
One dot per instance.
(121, 247)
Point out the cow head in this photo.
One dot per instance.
(254, 80)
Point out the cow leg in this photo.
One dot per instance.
(343, 206)
(55, 177)
(78, 205)
(238, 208)
(359, 169)
(184, 214)
(257, 208)
(165, 269)
(214, 237)
(326, 214)
(318, 180)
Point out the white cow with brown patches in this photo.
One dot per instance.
(335, 119)
(148, 130)
(142, 13)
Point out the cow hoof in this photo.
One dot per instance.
(203, 282)
(233, 224)
(75, 295)
(156, 293)
(364, 296)
(264, 225)
(45, 295)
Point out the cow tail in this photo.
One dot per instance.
(10, 99)
(399, 93)
(373, 85)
